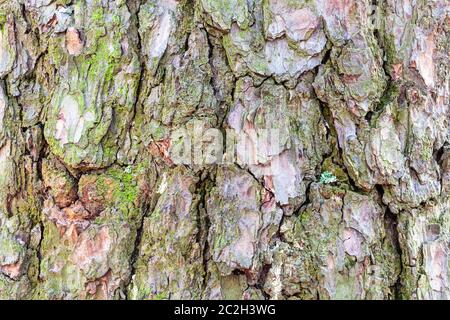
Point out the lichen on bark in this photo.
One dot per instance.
(354, 204)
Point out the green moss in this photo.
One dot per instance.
(126, 189)
(116, 20)
(2, 17)
(161, 296)
(109, 151)
(97, 16)
(390, 95)
(63, 2)
(346, 288)
(224, 12)
(55, 51)
(102, 63)
(305, 217)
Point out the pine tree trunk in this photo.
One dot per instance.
(98, 98)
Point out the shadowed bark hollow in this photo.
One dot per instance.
(93, 204)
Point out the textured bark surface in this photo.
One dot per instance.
(93, 206)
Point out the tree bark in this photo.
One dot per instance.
(94, 203)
